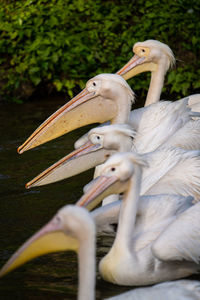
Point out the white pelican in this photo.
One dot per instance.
(107, 97)
(156, 57)
(94, 149)
(135, 258)
(167, 165)
(72, 228)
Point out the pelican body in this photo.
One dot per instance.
(138, 255)
(167, 165)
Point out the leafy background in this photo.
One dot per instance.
(57, 45)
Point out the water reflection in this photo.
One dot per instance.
(22, 211)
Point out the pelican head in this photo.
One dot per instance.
(107, 97)
(116, 137)
(149, 56)
(65, 231)
(93, 149)
(115, 177)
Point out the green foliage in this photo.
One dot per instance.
(60, 44)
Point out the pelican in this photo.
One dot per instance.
(166, 173)
(107, 97)
(73, 228)
(93, 149)
(156, 57)
(136, 256)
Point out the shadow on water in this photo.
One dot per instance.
(22, 211)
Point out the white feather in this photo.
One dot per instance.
(170, 290)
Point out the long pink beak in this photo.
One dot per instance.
(131, 64)
(84, 158)
(100, 188)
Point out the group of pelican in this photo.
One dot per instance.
(148, 177)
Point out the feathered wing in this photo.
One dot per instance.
(181, 239)
(159, 122)
(153, 209)
(153, 115)
(172, 171)
(194, 102)
(154, 214)
(186, 137)
(170, 290)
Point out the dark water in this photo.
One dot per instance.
(22, 211)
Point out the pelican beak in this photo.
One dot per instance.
(136, 65)
(48, 239)
(84, 158)
(86, 108)
(100, 188)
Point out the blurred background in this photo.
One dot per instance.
(55, 46)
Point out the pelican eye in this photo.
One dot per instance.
(113, 169)
(143, 50)
(94, 83)
(98, 137)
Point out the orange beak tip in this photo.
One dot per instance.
(27, 186)
(18, 150)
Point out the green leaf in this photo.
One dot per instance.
(34, 70)
(58, 84)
